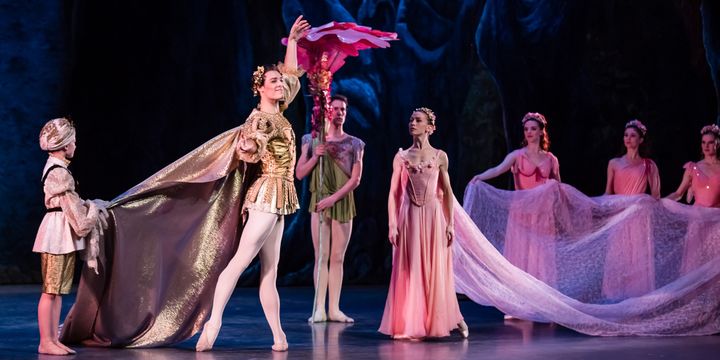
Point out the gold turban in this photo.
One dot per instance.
(56, 134)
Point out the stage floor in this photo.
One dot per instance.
(246, 335)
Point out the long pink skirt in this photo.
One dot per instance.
(421, 299)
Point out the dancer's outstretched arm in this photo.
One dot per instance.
(496, 171)
(684, 186)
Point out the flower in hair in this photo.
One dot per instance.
(714, 129)
(427, 111)
(540, 118)
(258, 78)
(637, 124)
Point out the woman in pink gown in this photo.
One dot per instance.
(532, 165)
(629, 267)
(702, 183)
(421, 299)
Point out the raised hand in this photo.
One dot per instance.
(299, 29)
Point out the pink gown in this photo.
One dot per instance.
(421, 299)
(705, 188)
(534, 254)
(630, 264)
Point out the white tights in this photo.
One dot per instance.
(262, 234)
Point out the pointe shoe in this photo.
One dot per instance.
(464, 331)
(509, 317)
(207, 338)
(51, 349)
(340, 317)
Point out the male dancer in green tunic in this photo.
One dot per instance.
(332, 198)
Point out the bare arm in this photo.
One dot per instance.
(654, 180)
(298, 30)
(556, 169)
(496, 171)
(684, 186)
(448, 198)
(306, 164)
(610, 178)
(392, 203)
(349, 186)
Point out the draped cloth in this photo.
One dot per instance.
(170, 238)
(680, 305)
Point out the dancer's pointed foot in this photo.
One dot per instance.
(339, 316)
(50, 348)
(463, 328)
(207, 338)
(62, 346)
(319, 316)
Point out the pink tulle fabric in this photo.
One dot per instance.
(421, 299)
(681, 304)
(630, 247)
(534, 254)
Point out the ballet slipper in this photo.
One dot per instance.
(463, 328)
(50, 348)
(207, 338)
(318, 317)
(509, 317)
(339, 316)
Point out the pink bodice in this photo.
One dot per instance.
(529, 175)
(631, 179)
(705, 186)
(422, 179)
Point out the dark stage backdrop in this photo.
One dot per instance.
(147, 81)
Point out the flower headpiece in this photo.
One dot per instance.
(711, 129)
(258, 79)
(540, 118)
(430, 114)
(638, 125)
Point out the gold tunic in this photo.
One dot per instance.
(274, 190)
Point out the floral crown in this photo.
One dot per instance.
(638, 125)
(257, 79)
(430, 114)
(540, 118)
(711, 129)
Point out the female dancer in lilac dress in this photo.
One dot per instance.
(421, 299)
(629, 266)
(702, 183)
(532, 165)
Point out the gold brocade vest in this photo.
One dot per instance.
(274, 190)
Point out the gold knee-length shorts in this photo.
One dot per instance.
(57, 272)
